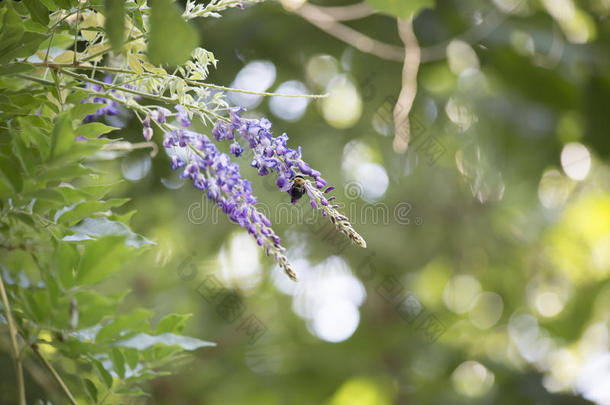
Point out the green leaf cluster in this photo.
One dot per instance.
(61, 235)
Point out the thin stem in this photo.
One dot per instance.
(76, 33)
(402, 127)
(58, 88)
(350, 12)
(14, 347)
(62, 19)
(128, 147)
(123, 89)
(326, 22)
(140, 93)
(55, 375)
(103, 51)
(114, 87)
(188, 81)
(257, 93)
(46, 56)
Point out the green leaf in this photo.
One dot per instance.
(400, 8)
(93, 192)
(100, 259)
(65, 4)
(93, 306)
(35, 27)
(25, 218)
(15, 68)
(142, 341)
(80, 111)
(132, 357)
(173, 323)
(64, 172)
(38, 303)
(76, 212)
(91, 389)
(104, 374)
(38, 11)
(28, 157)
(34, 131)
(9, 167)
(137, 321)
(174, 49)
(45, 194)
(50, 4)
(137, 19)
(132, 391)
(147, 375)
(93, 228)
(12, 29)
(93, 130)
(115, 23)
(65, 258)
(26, 46)
(62, 137)
(118, 361)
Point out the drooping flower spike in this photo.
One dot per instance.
(271, 154)
(215, 174)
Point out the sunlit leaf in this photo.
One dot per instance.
(76, 212)
(104, 374)
(101, 258)
(136, 321)
(143, 341)
(93, 228)
(118, 362)
(63, 135)
(93, 130)
(38, 11)
(173, 323)
(80, 111)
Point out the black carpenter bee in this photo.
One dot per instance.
(297, 190)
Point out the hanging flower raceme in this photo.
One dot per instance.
(215, 174)
(271, 154)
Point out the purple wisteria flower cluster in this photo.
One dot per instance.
(219, 178)
(271, 154)
(213, 172)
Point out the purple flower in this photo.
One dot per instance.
(236, 149)
(213, 172)
(159, 115)
(147, 133)
(283, 183)
(271, 154)
(177, 162)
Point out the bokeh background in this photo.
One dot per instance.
(486, 277)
